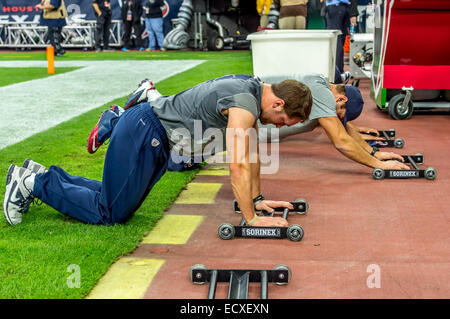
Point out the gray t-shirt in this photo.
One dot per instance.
(324, 104)
(193, 118)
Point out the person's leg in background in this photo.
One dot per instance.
(263, 20)
(126, 35)
(157, 26)
(58, 41)
(338, 19)
(138, 33)
(286, 23)
(51, 36)
(55, 40)
(341, 78)
(308, 10)
(106, 32)
(151, 34)
(300, 22)
(99, 31)
(323, 14)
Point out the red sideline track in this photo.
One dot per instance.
(355, 225)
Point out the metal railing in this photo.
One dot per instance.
(74, 35)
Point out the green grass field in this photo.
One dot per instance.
(35, 255)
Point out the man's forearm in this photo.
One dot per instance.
(345, 144)
(256, 169)
(255, 176)
(353, 131)
(351, 149)
(241, 183)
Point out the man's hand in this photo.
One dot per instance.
(368, 130)
(371, 137)
(383, 156)
(264, 221)
(269, 205)
(394, 165)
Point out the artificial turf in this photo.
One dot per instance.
(36, 256)
(16, 75)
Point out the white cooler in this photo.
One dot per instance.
(294, 51)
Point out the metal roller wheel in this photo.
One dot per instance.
(226, 231)
(430, 173)
(397, 110)
(191, 272)
(295, 233)
(378, 173)
(399, 143)
(283, 267)
(303, 201)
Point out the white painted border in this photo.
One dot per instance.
(30, 107)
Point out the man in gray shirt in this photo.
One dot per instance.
(334, 106)
(329, 100)
(139, 150)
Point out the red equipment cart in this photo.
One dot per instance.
(411, 64)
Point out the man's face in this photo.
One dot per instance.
(278, 118)
(340, 110)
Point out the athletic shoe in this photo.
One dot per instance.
(34, 167)
(37, 169)
(103, 129)
(19, 184)
(346, 77)
(146, 92)
(117, 109)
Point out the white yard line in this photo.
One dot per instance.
(30, 107)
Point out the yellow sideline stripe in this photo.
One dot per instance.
(215, 170)
(199, 193)
(173, 229)
(128, 278)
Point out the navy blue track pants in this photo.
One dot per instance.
(136, 159)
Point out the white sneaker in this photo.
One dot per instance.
(37, 169)
(34, 166)
(346, 76)
(146, 92)
(19, 184)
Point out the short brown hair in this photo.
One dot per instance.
(297, 98)
(340, 88)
